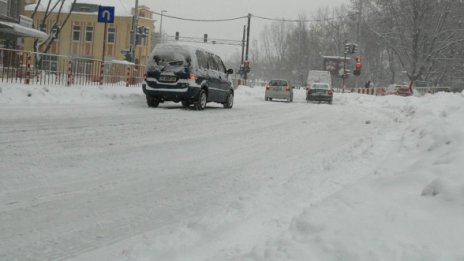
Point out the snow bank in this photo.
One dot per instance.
(21, 94)
(411, 208)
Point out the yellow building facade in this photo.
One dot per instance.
(82, 35)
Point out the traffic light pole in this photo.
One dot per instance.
(247, 43)
(344, 71)
(243, 43)
(135, 21)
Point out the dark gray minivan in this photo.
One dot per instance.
(189, 75)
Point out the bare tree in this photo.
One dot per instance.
(52, 6)
(417, 32)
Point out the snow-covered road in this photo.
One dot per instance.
(96, 175)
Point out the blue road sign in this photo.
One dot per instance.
(106, 14)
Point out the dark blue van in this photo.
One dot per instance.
(189, 75)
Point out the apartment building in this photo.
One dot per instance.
(80, 35)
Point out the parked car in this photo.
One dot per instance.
(404, 90)
(278, 89)
(186, 74)
(320, 91)
(398, 89)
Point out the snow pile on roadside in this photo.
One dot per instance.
(20, 94)
(411, 208)
(247, 93)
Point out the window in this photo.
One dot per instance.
(220, 64)
(76, 33)
(111, 36)
(202, 59)
(212, 65)
(89, 34)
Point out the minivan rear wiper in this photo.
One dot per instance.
(176, 63)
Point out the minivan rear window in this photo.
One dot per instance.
(172, 55)
(320, 86)
(278, 83)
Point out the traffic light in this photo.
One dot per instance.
(357, 66)
(127, 54)
(205, 38)
(347, 48)
(247, 66)
(177, 36)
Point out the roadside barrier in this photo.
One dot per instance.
(378, 91)
(34, 68)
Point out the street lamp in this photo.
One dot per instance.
(161, 25)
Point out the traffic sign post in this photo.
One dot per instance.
(106, 16)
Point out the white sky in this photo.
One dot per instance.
(219, 9)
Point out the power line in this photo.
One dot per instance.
(202, 20)
(297, 21)
(245, 16)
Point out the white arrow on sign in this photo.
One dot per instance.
(106, 14)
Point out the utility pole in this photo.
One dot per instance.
(243, 43)
(358, 31)
(344, 68)
(247, 42)
(161, 26)
(135, 20)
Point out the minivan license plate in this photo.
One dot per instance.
(167, 78)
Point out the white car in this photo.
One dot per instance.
(278, 89)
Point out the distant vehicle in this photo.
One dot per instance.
(278, 89)
(315, 76)
(398, 89)
(189, 75)
(322, 92)
(404, 90)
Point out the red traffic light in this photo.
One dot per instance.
(357, 66)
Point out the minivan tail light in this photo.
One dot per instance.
(192, 77)
(145, 77)
(287, 88)
(268, 87)
(330, 92)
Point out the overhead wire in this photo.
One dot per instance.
(246, 16)
(298, 21)
(201, 20)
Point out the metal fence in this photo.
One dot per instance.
(17, 66)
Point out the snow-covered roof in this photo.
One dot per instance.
(122, 8)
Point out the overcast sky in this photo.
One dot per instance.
(220, 9)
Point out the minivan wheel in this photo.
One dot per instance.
(152, 101)
(230, 101)
(200, 104)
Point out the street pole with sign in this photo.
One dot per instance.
(135, 21)
(106, 16)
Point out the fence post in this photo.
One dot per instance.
(102, 71)
(28, 68)
(128, 75)
(69, 82)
